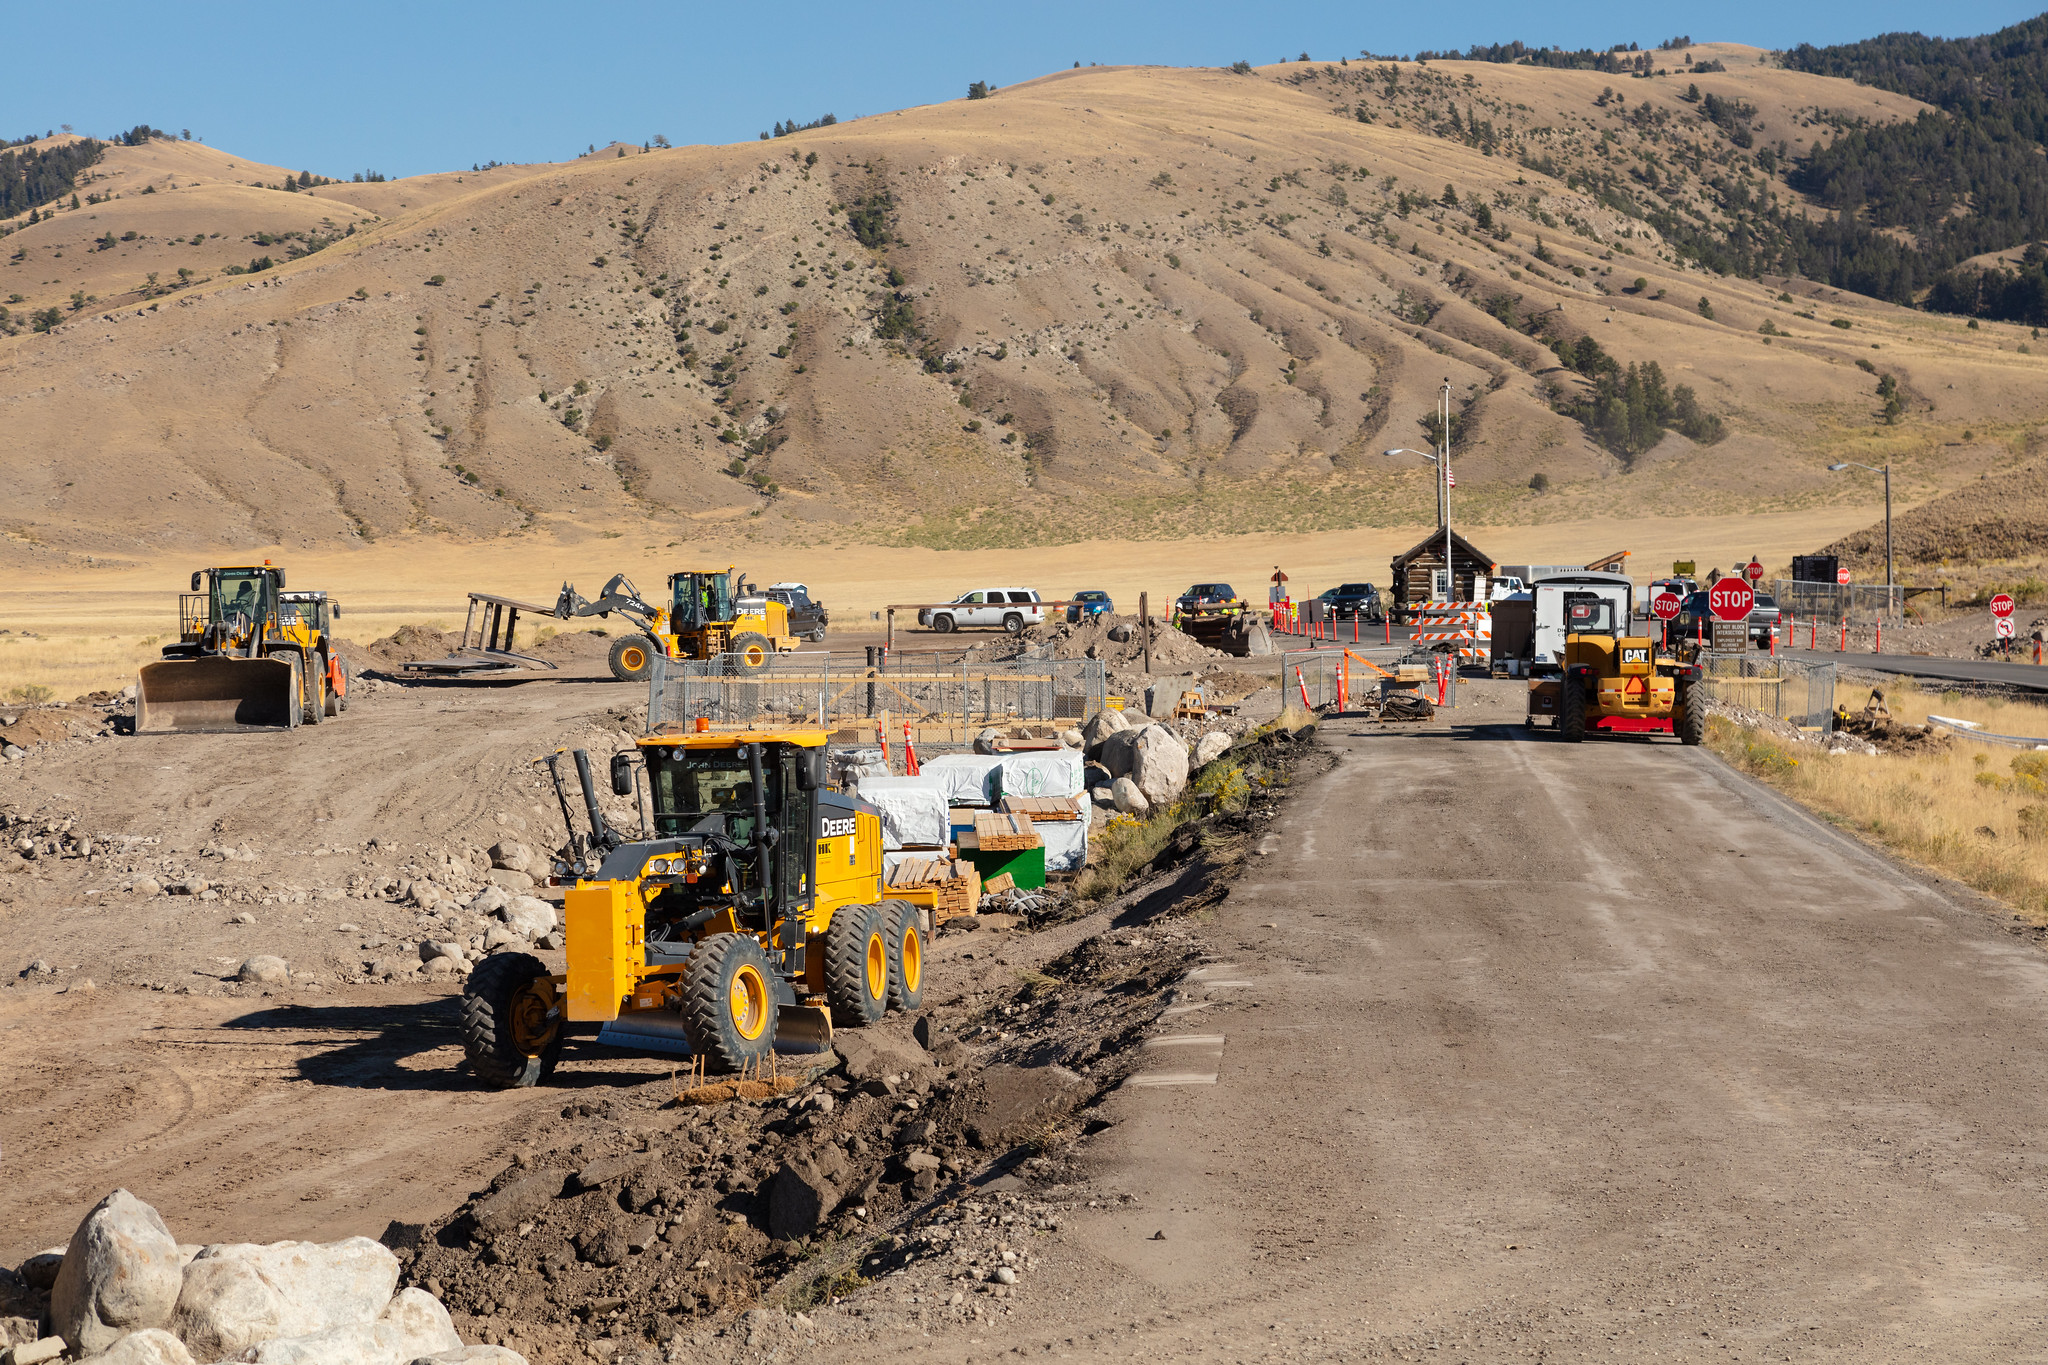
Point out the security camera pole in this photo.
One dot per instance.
(1889, 591)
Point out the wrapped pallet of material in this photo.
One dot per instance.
(1041, 772)
(913, 811)
(1066, 841)
(969, 779)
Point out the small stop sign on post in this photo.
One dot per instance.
(1666, 606)
(1842, 577)
(2001, 606)
(1754, 573)
(1731, 599)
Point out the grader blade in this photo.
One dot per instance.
(215, 694)
(803, 1028)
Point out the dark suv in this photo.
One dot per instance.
(807, 619)
(1209, 599)
(1355, 600)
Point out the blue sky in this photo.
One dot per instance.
(434, 85)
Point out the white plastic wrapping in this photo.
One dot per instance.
(1066, 841)
(968, 779)
(913, 810)
(1041, 772)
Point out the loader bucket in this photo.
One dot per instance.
(199, 695)
(803, 1028)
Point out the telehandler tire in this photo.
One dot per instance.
(904, 924)
(511, 1030)
(859, 968)
(1571, 712)
(728, 1002)
(1692, 722)
(630, 657)
(750, 652)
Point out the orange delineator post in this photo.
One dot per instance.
(1878, 647)
(1304, 689)
(1843, 648)
(1812, 633)
(909, 753)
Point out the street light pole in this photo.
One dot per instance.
(1443, 466)
(1890, 579)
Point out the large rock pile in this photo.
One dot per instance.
(1138, 767)
(126, 1292)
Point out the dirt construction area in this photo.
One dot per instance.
(1442, 1041)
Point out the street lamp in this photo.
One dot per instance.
(1442, 461)
(1887, 472)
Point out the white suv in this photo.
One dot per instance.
(1011, 608)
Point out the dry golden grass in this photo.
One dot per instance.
(1974, 812)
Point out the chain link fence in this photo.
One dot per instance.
(1860, 604)
(953, 695)
(1802, 693)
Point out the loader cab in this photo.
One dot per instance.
(1554, 601)
(248, 593)
(700, 599)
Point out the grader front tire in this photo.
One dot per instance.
(729, 1002)
(857, 965)
(903, 924)
(510, 1032)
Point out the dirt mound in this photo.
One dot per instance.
(2001, 516)
(411, 644)
(1093, 638)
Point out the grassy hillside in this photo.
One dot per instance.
(1110, 303)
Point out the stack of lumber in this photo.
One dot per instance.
(1004, 831)
(951, 886)
(1043, 809)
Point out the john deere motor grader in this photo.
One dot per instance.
(250, 656)
(1589, 674)
(700, 622)
(752, 920)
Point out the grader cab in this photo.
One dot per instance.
(749, 920)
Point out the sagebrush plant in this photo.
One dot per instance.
(1966, 809)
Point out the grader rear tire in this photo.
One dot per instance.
(729, 1002)
(858, 965)
(630, 658)
(750, 652)
(904, 925)
(511, 1032)
(1571, 712)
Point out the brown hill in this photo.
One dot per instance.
(1106, 303)
(1996, 517)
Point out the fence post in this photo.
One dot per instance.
(871, 680)
(1145, 626)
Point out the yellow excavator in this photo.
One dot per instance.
(749, 920)
(250, 656)
(700, 622)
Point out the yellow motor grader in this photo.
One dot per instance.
(700, 622)
(250, 656)
(750, 920)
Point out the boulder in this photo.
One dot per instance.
(147, 886)
(38, 1352)
(512, 855)
(1163, 696)
(603, 1246)
(990, 741)
(871, 1053)
(501, 936)
(1159, 765)
(1101, 726)
(264, 970)
(236, 1295)
(1121, 633)
(1126, 797)
(1211, 747)
(1115, 754)
(606, 1169)
(488, 901)
(473, 1355)
(414, 1325)
(40, 1270)
(528, 916)
(151, 1346)
(801, 1195)
(518, 1201)
(510, 882)
(442, 968)
(120, 1275)
(433, 948)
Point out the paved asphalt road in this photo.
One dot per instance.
(2034, 676)
(1531, 1051)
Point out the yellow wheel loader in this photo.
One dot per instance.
(250, 656)
(1590, 676)
(700, 622)
(750, 920)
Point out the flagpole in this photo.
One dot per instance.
(1444, 471)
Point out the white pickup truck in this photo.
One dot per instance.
(1011, 608)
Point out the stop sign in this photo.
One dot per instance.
(2001, 605)
(1754, 573)
(1666, 606)
(1842, 576)
(1731, 599)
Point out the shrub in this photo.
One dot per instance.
(980, 90)
(1241, 67)
(1706, 308)
(1539, 482)
(437, 280)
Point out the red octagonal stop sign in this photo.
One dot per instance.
(2001, 605)
(1731, 599)
(1666, 606)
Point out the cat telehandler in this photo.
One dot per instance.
(702, 621)
(250, 656)
(1589, 675)
(749, 919)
